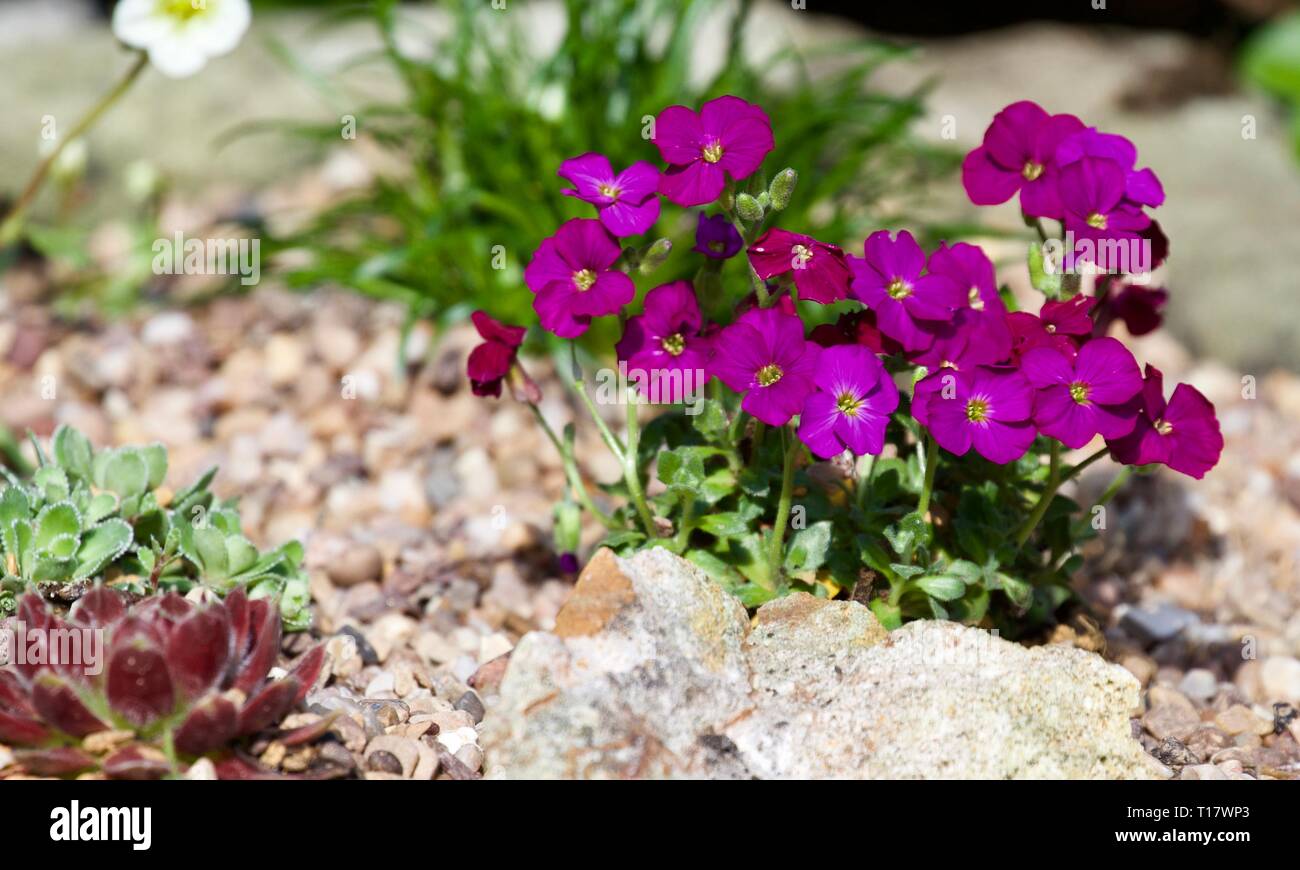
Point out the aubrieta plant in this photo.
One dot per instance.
(908, 448)
(87, 517)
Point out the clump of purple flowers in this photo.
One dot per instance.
(945, 415)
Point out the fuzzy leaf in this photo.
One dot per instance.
(213, 723)
(945, 588)
(807, 548)
(199, 650)
(56, 521)
(99, 506)
(137, 683)
(73, 452)
(269, 705)
(57, 702)
(240, 555)
(53, 482)
(125, 472)
(101, 545)
(155, 460)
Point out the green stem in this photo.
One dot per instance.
(776, 552)
(931, 466)
(572, 474)
(1045, 499)
(13, 221)
(1076, 470)
(686, 524)
(1115, 485)
(632, 474)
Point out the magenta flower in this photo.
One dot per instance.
(820, 273)
(988, 409)
(1092, 194)
(571, 275)
(764, 356)
(908, 305)
(727, 137)
(852, 404)
(1062, 325)
(716, 237)
(491, 361)
(1139, 307)
(626, 202)
(1019, 154)
(1078, 398)
(1141, 186)
(662, 346)
(977, 335)
(1182, 434)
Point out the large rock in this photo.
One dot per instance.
(654, 671)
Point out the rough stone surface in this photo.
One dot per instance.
(654, 671)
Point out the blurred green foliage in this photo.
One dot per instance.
(485, 120)
(1270, 60)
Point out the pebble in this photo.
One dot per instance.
(358, 563)
(1139, 666)
(1280, 677)
(1199, 684)
(1202, 772)
(1159, 623)
(1242, 720)
(203, 769)
(1171, 720)
(471, 704)
(388, 751)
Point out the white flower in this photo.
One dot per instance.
(180, 35)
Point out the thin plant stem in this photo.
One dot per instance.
(13, 221)
(777, 542)
(632, 474)
(1121, 477)
(571, 472)
(931, 466)
(1076, 470)
(1045, 499)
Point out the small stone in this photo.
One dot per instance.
(452, 741)
(1174, 753)
(434, 647)
(1160, 623)
(1241, 720)
(273, 756)
(1139, 666)
(1199, 684)
(104, 742)
(1280, 676)
(203, 769)
(382, 686)
(168, 327)
(342, 658)
(364, 649)
(470, 756)
(389, 750)
(1207, 741)
(1202, 772)
(358, 563)
(471, 704)
(427, 767)
(490, 647)
(285, 359)
(1163, 696)
(1171, 720)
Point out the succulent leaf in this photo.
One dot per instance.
(73, 452)
(101, 545)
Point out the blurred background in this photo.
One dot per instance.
(383, 152)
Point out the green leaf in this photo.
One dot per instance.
(711, 422)
(1045, 282)
(618, 540)
(125, 472)
(753, 595)
(210, 547)
(99, 506)
(62, 547)
(890, 615)
(51, 569)
(945, 588)
(1020, 592)
(14, 505)
(73, 452)
(155, 460)
(53, 482)
(240, 554)
(101, 545)
(807, 548)
(54, 521)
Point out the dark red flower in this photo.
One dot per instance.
(490, 362)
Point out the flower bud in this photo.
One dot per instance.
(782, 188)
(568, 526)
(708, 282)
(748, 208)
(655, 255)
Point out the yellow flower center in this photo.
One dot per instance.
(584, 279)
(608, 190)
(898, 289)
(1031, 170)
(674, 344)
(801, 253)
(848, 404)
(977, 410)
(1049, 327)
(1097, 220)
(182, 10)
(1164, 427)
(712, 152)
(1079, 391)
(976, 301)
(769, 375)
